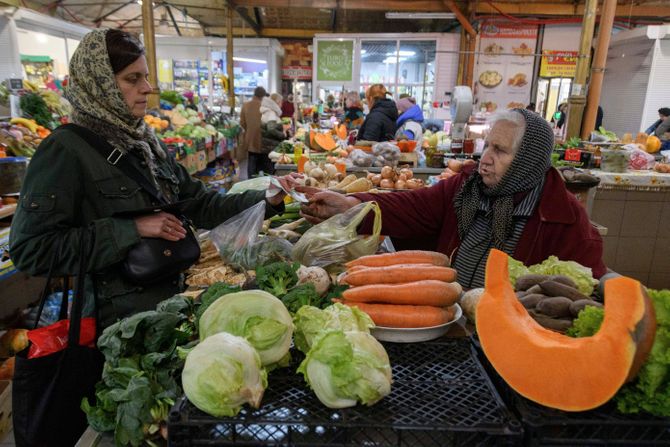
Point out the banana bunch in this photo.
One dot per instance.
(54, 102)
(30, 86)
(28, 124)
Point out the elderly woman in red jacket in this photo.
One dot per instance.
(515, 202)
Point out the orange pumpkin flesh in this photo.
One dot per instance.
(571, 374)
(342, 132)
(324, 142)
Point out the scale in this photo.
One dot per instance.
(461, 109)
(15, 85)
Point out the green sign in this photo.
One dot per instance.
(334, 60)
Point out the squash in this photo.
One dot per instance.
(653, 144)
(311, 139)
(571, 374)
(342, 132)
(324, 142)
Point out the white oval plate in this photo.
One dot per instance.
(413, 335)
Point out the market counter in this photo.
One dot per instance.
(635, 208)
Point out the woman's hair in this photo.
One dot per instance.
(123, 49)
(514, 118)
(375, 93)
(665, 111)
(276, 97)
(353, 99)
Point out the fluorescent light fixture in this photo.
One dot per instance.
(402, 53)
(363, 51)
(392, 60)
(420, 15)
(41, 38)
(245, 59)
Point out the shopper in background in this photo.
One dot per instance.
(272, 133)
(380, 124)
(71, 191)
(515, 202)
(353, 116)
(662, 125)
(560, 115)
(409, 121)
(250, 121)
(287, 107)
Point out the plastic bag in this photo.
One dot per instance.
(238, 241)
(53, 338)
(361, 158)
(639, 159)
(336, 240)
(254, 184)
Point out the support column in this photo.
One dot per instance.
(577, 98)
(229, 60)
(153, 101)
(598, 67)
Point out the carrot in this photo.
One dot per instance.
(404, 315)
(428, 292)
(402, 257)
(357, 268)
(395, 274)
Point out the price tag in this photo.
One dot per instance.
(573, 155)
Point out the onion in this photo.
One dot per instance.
(370, 175)
(402, 177)
(413, 184)
(387, 172)
(407, 173)
(317, 173)
(386, 183)
(401, 184)
(330, 169)
(376, 179)
(309, 166)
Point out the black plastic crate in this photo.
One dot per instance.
(545, 426)
(440, 397)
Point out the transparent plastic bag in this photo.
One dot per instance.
(336, 241)
(238, 241)
(254, 184)
(639, 159)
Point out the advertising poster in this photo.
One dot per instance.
(297, 61)
(334, 60)
(504, 68)
(558, 64)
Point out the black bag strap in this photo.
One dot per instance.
(47, 287)
(116, 158)
(78, 300)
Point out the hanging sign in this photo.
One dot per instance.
(558, 64)
(296, 72)
(334, 60)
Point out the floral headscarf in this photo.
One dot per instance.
(98, 103)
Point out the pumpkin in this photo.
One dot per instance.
(311, 139)
(342, 132)
(571, 374)
(324, 142)
(653, 144)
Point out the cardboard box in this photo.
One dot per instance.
(200, 160)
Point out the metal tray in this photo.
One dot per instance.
(441, 396)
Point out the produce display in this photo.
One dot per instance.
(558, 371)
(310, 322)
(407, 289)
(21, 137)
(650, 391)
(394, 178)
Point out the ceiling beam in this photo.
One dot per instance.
(465, 23)
(174, 22)
(267, 32)
(117, 9)
(257, 15)
(526, 8)
(242, 12)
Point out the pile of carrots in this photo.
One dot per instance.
(406, 289)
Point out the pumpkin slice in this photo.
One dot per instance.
(342, 132)
(571, 374)
(325, 142)
(311, 139)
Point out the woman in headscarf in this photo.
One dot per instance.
(515, 202)
(353, 115)
(71, 190)
(409, 121)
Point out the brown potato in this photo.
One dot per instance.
(555, 324)
(553, 288)
(578, 306)
(531, 300)
(525, 282)
(556, 307)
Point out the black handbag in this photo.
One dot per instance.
(153, 259)
(47, 391)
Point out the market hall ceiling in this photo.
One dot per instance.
(302, 19)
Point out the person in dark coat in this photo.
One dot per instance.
(380, 124)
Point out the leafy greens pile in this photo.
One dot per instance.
(582, 276)
(650, 391)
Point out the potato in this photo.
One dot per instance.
(520, 293)
(555, 324)
(553, 288)
(564, 280)
(535, 289)
(578, 306)
(525, 282)
(531, 300)
(557, 306)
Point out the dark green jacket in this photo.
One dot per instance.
(71, 189)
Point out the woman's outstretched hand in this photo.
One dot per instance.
(288, 182)
(161, 225)
(324, 204)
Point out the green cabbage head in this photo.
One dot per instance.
(222, 373)
(258, 316)
(344, 368)
(311, 321)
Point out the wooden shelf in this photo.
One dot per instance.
(7, 210)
